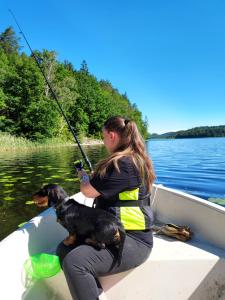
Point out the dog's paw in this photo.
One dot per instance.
(90, 242)
(102, 245)
(94, 243)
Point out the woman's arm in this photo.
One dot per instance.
(85, 187)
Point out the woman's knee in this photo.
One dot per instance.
(62, 250)
(78, 258)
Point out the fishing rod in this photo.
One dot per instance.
(54, 95)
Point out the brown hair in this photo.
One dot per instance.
(131, 144)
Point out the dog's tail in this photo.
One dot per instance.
(118, 241)
(122, 234)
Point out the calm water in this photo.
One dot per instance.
(196, 166)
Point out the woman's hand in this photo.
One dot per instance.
(84, 178)
(85, 187)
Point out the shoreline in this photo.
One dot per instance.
(32, 146)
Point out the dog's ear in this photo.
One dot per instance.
(56, 194)
(41, 193)
(52, 198)
(66, 219)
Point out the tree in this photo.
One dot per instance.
(28, 112)
(27, 107)
(47, 61)
(89, 111)
(9, 41)
(4, 69)
(84, 67)
(68, 65)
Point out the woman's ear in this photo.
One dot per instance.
(112, 135)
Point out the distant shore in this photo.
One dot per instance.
(196, 132)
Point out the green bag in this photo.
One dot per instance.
(42, 265)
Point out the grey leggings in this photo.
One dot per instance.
(83, 264)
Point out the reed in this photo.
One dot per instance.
(9, 142)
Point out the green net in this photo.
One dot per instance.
(42, 265)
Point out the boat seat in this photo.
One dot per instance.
(173, 269)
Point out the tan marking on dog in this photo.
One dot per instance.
(40, 201)
(70, 240)
(117, 236)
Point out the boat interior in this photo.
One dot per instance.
(174, 270)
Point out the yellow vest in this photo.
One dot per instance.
(135, 214)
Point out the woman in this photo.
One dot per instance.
(121, 184)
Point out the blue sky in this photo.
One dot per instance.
(167, 55)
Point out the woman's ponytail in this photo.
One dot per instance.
(131, 144)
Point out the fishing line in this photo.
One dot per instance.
(53, 94)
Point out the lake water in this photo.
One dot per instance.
(196, 166)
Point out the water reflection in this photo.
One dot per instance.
(196, 166)
(23, 173)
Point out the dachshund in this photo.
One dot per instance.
(100, 227)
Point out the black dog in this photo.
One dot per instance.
(99, 226)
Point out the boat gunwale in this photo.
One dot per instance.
(187, 196)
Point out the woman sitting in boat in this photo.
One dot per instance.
(121, 184)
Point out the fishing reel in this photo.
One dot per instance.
(78, 164)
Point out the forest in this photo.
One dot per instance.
(196, 132)
(28, 110)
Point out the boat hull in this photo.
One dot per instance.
(174, 270)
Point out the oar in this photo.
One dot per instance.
(54, 95)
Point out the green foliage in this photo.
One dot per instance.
(27, 107)
(28, 112)
(9, 41)
(8, 141)
(196, 132)
(84, 67)
(204, 131)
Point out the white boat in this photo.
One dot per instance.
(175, 270)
